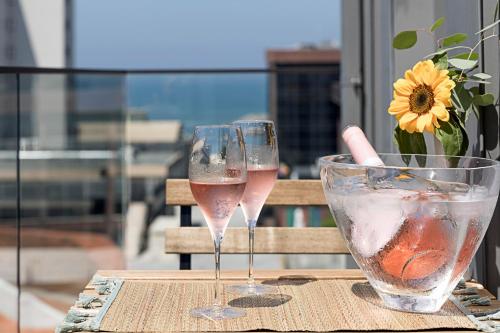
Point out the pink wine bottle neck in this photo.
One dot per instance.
(360, 148)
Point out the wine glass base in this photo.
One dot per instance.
(216, 313)
(247, 290)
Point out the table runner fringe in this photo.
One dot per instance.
(89, 301)
(89, 310)
(464, 296)
(481, 325)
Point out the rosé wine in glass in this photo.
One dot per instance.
(259, 184)
(217, 201)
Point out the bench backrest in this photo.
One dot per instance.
(185, 240)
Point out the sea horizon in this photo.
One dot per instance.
(196, 99)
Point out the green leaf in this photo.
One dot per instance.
(482, 76)
(441, 61)
(462, 63)
(467, 56)
(465, 137)
(484, 100)
(461, 98)
(439, 22)
(474, 90)
(438, 52)
(454, 39)
(462, 117)
(404, 40)
(452, 72)
(410, 143)
(465, 142)
(451, 137)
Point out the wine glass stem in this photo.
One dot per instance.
(217, 292)
(251, 233)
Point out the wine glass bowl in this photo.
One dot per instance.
(217, 177)
(413, 225)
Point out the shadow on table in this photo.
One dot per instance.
(260, 301)
(366, 292)
(290, 280)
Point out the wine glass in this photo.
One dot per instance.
(217, 176)
(261, 146)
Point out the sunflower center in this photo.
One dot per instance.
(421, 99)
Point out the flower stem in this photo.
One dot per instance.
(472, 50)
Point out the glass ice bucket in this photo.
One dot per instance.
(413, 225)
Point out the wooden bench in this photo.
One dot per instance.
(186, 240)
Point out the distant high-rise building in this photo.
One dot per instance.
(304, 102)
(36, 33)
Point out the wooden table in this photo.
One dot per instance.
(208, 275)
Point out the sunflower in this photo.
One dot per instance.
(421, 98)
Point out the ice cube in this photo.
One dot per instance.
(471, 205)
(376, 217)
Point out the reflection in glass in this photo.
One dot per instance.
(72, 136)
(8, 203)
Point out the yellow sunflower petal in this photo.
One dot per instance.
(411, 126)
(423, 121)
(397, 107)
(429, 127)
(442, 94)
(442, 77)
(446, 85)
(397, 95)
(435, 121)
(443, 99)
(410, 76)
(407, 118)
(428, 72)
(440, 112)
(404, 87)
(421, 70)
(417, 70)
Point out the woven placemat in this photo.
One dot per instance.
(308, 305)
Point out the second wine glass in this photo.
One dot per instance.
(261, 146)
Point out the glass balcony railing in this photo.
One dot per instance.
(84, 156)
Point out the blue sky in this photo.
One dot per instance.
(196, 33)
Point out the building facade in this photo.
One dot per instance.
(36, 33)
(304, 97)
